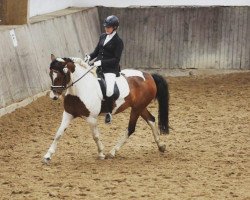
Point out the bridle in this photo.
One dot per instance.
(58, 87)
(64, 86)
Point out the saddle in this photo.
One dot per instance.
(103, 86)
(121, 88)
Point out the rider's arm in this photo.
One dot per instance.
(94, 54)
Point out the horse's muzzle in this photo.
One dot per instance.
(53, 95)
(56, 91)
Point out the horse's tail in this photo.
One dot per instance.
(162, 96)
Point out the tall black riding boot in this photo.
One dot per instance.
(109, 103)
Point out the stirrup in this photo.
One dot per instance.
(108, 118)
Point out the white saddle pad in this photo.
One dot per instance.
(123, 87)
(122, 82)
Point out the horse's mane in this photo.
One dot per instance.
(76, 60)
(81, 63)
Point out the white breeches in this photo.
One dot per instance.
(110, 82)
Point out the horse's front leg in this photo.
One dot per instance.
(96, 134)
(64, 124)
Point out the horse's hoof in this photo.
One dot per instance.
(46, 161)
(110, 156)
(101, 157)
(162, 148)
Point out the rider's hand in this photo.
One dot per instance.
(97, 63)
(87, 58)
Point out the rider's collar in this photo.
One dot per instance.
(112, 34)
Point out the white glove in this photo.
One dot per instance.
(97, 63)
(87, 58)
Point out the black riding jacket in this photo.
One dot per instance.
(109, 54)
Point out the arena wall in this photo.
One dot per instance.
(38, 7)
(24, 68)
(184, 37)
(155, 38)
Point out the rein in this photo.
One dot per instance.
(79, 78)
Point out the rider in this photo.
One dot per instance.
(108, 53)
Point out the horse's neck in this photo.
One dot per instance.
(86, 84)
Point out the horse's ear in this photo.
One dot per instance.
(53, 57)
(71, 66)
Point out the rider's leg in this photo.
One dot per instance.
(110, 82)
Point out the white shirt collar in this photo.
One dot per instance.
(112, 34)
(109, 37)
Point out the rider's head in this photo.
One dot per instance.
(111, 23)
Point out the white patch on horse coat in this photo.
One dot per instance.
(60, 60)
(52, 95)
(65, 70)
(132, 72)
(87, 89)
(54, 75)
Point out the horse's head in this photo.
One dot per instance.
(60, 69)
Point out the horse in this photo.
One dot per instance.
(76, 80)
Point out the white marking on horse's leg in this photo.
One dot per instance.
(160, 145)
(131, 129)
(119, 144)
(64, 124)
(96, 134)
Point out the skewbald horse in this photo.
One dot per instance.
(83, 98)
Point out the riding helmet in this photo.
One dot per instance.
(111, 21)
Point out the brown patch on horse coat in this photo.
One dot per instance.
(71, 67)
(74, 106)
(142, 92)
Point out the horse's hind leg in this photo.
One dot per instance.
(131, 128)
(93, 124)
(64, 124)
(150, 119)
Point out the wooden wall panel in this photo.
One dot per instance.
(155, 38)
(24, 68)
(184, 37)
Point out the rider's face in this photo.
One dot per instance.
(109, 30)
